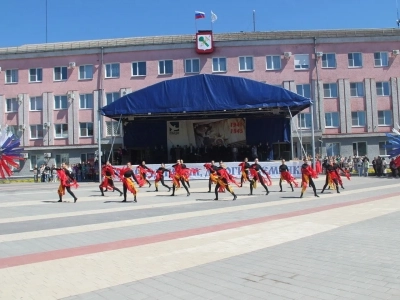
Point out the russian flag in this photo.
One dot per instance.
(199, 15)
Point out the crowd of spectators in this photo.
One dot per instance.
(87, 171)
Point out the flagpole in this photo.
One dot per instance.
(195, 23)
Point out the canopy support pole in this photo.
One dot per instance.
(99, 116)
(114, 137)
(297, 132)
(312, 135)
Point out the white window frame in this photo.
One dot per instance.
(366, 148)
(217, 60)
(302, 120)
(33, 158)
(386, 123)
(325, 61)
(88, 103)
(86, 128)
(60, 98)
(13, 76)
(329, 87)
(380, 85)
(381, 146)
(109, 70)
(83, 71)
(330, 146)
(61, 158)
(13, 104)
(114, 126)
(36, 75)
(62, 68)
(299, 62)
(330, 114)
(35, 101)
(351, 60)
(37, 137)
(358, 118)
(302, 88)
(270, 65)
(245, 68)
(135, 66)
(112, 94)
(62, 131)
(191, 60)
(381, 61)
(356, 89)
(162, 70)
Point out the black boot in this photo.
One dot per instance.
(316, 195)
(134, 199)
(301, 195)
(75, 199)
(234, 197)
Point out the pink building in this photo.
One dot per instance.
(52, 92)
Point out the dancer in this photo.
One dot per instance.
(337, 169)
(331, 178)
(307, 175)
(160, 177)
(66, 181)
(127, 177)
(108, 182)
(212, 168)
(223, 179)
(177, 178)
(285, 175)
(143, 170)
(185, 173)
(244, 167)
(255, 170)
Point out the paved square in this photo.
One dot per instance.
(338, 246)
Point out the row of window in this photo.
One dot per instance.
(357, 89)
(60, 102)
(359, 148)
(358, 119)
(37, 160)
(61, 130)
(192, 66)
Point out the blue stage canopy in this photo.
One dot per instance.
(208, 96)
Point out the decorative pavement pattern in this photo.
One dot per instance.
(338, 246)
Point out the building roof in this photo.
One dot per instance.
(190, 38)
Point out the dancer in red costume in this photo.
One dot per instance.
(223, 179)
(244, 168)
(143, 170)
(255, 171)
(307, 175)
(66, 181)
(160, 177)
(337, 169)
(331, 178)
(185, 173)
(108, 183)
(318, 166)
(127, 177)
(177, 178)
(212, 168)
(285, 175)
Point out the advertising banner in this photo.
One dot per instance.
(199, 172)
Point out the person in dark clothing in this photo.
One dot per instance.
(244, 166)
(285, 175)
(66, 181)
(374, 165)
(185, 173)
(223, 179)
(212, 168)
(307, 175)
(256, 171)
(160, 177)
(379, 166)
(331, 178)
(337, 169)
(108, 182)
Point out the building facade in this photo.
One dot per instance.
(51, 93)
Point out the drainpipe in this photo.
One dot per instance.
(312, 105)
(99, 154)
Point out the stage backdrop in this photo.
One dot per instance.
(202, 133)
(233, 168)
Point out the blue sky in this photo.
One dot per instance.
(74, 20)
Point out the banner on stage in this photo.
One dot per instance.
(199, 172)
(206, 133)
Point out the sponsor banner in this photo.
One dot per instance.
(206, 133)
(199, 172)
